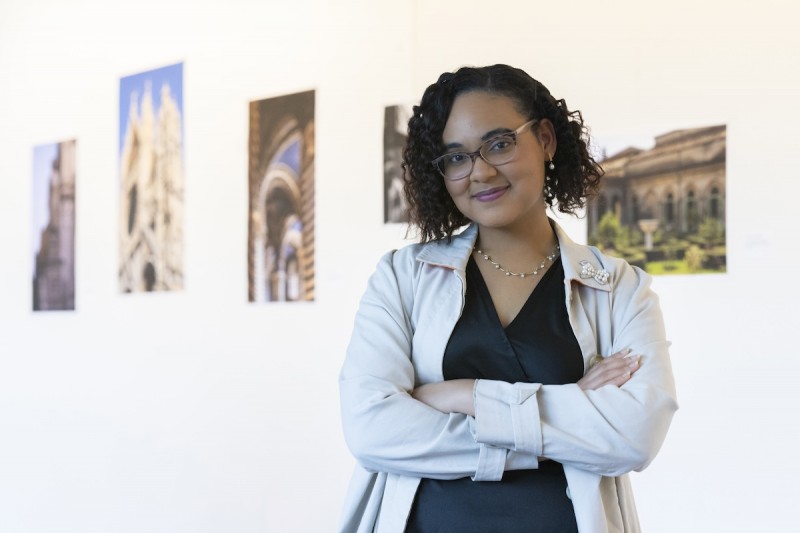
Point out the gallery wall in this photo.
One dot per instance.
(197, 411)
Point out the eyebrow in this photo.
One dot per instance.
(485, 137)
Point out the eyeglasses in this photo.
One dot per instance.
(498, 150)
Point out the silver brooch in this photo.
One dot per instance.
(589, 271)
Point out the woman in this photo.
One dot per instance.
(502, 378)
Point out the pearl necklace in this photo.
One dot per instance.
(534, 272)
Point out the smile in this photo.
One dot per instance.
(490, 194)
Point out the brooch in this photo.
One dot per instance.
(589, 271)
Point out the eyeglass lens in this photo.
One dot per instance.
(496, 151)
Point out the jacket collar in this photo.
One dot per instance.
(454, 254)
(578, 260)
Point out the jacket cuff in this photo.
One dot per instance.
(491, 464)
(507, 415)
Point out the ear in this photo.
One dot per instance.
(546, 134)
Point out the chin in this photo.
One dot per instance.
(503, 219)
(495, 222)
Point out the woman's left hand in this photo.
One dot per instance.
(614, 370)
(452, 396)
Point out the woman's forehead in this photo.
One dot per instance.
(474, 114)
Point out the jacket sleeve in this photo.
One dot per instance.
(609, 431)
(385, 428)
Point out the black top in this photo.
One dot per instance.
(538, 346)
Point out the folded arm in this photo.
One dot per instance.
(385, 427)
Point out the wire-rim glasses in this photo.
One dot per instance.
(498, 150)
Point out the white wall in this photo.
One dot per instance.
(197, 412)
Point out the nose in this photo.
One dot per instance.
(481, 170)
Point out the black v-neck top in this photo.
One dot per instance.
(538, 346)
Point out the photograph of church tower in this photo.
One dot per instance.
(151, 181)
(663, 208)
(54, 227)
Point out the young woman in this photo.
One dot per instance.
(502, 378)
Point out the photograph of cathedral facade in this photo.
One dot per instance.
(151, 181)
(54, 227)
(280, 251)
(663, 208)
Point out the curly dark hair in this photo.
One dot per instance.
(576, 176)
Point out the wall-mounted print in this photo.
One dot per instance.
(280, 250)
(395, 133)
(151, 180)
(662, 208)
(54, 226)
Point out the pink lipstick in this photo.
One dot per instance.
(490, 195)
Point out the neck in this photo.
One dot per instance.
(522, 245)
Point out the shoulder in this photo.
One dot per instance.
(451, 254)
(594, 269)
(624, 271)
(399, 263)
(622, 275)
(422, 268)
(630, 288)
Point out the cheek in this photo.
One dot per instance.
(531, 173)
(456, 188)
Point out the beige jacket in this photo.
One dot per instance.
(404, 322)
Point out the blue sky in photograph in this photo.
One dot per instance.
(43, 157)
(291, 156)
(171, 75)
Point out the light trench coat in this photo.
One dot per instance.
(402, 327)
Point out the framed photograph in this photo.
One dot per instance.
(662, 205)
(395, 133)
(151, 181)
(280, 251)
(54, 226)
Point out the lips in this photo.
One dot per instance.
(490, 194)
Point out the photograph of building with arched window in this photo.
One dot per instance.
(663, 208)
(280, 251)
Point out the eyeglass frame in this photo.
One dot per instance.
(477, 153)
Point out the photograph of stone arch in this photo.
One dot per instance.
(280, 250)
(663, 208)
(151, 181)
(395, 132)
(54, 227)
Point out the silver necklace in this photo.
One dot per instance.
(533, 272)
